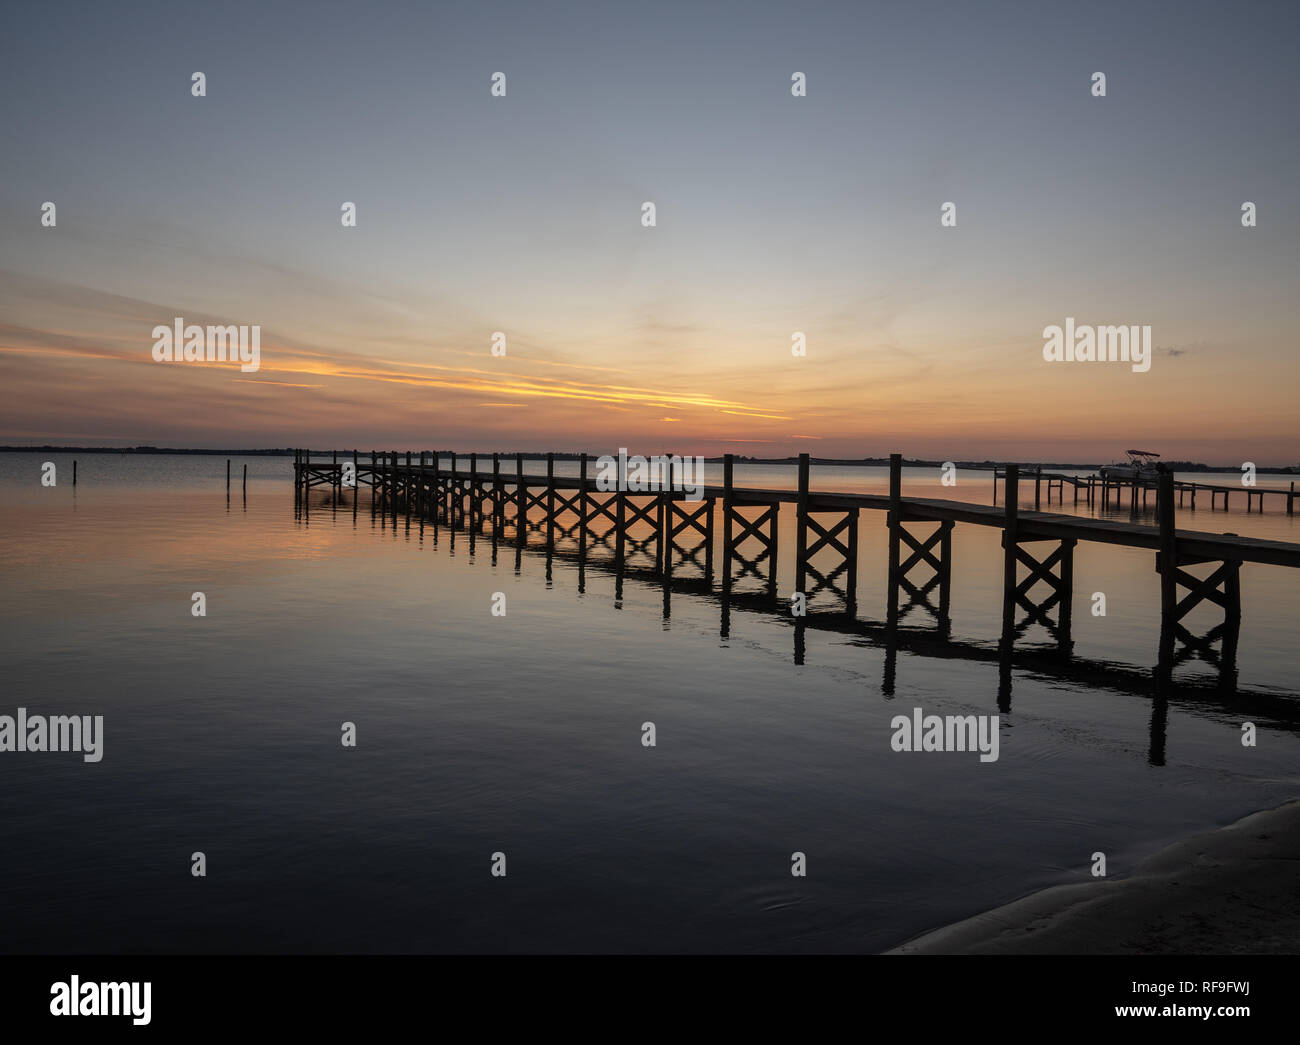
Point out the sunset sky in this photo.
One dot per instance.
(775, 214)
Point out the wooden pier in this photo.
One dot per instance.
(662, 533)
(1111, 493)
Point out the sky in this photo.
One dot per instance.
(775, 214)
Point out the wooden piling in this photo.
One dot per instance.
(1010, 528)
(1038, 484)
(582, 507)
(245, 478)
(1167, 560)
(227, 475)
(895, 522)
(728, 499)
(74, 481)
(453, 496)
(521, 502)
(666, 503)
(475, 494)
(801, 529)
(498, 500)
(550, 501)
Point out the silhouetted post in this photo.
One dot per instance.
(945, 574)
(227, 475)
(1038, 488)
(498, 501)
(453, 495)
(550, 501)
(620, 519)
(801, 530)
(852, 601)
(666, 519)
(728, 499)
(1010, 526)
(1167, 564)
(334, 474)
(74, 483)
(773, 532)
(392, 471)
(245, 479)
(582, 507)
(1065, 614)
(895, 524)
(475, 507)
(521, 495)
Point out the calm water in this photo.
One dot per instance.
(522, 733)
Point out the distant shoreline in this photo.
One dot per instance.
(839, 462)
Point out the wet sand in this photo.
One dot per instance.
(1231, 891)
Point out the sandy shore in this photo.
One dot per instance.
(1231, 891)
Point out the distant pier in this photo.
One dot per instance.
(1108, 493)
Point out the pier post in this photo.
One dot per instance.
(475, 507)
(1167, 565)
(1038, 485)
(498, 501)
(801, 529)
(1010, 525)
(453, 497)
(550, 501)
(728, 499)
(1290, 497)
(245, 480)
(74, 480)
(582, 507)
(895, 522)
(620, 523)
(392, 480)
(708, 538)
(521, 502)
(666, 520)
(435, 502)
(227, 475)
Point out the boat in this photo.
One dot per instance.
(1140, 466)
